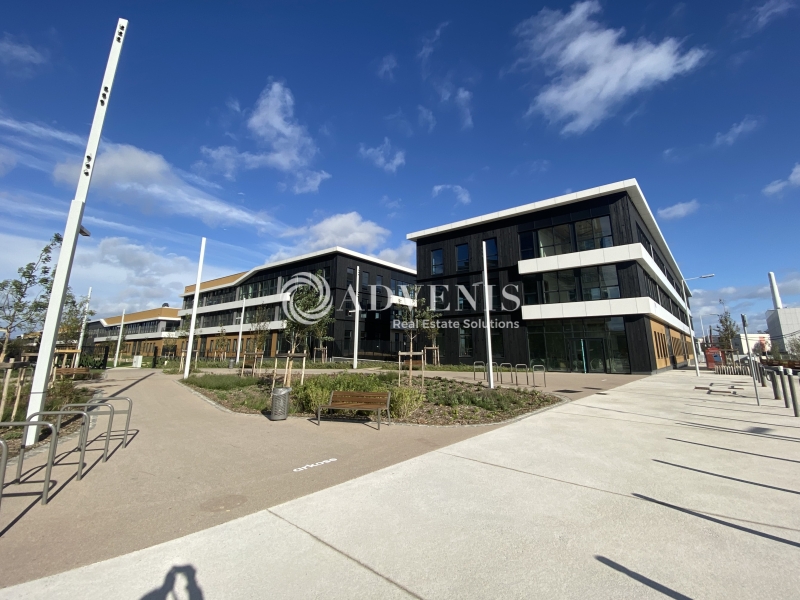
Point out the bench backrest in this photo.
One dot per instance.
(349, 397)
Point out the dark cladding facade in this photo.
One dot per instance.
(598, 288)
(220, 304)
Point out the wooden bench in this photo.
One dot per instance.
(64, 372)
(369, 401)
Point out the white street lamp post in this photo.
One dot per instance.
(358, 316)
(194, 310)
(695, 347)
(83, 329)
(119, 338)
(241, 329)
(487, 298)
(52, 322)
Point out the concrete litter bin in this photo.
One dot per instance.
(280, 404)
(231, 363)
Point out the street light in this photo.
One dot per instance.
(686, 304)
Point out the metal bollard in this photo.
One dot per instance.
(784, 387)
(776, 386)
(763, 372)
(793, 391)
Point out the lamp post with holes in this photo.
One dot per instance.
(73, 229)
(695, 347)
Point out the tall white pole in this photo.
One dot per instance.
(241, 328)
(119, 338)
(83, 329)
(194, 310)
(41, 375)
(694, 345)
(487, 299)
(358, 317)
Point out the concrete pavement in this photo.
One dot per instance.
(648, 490)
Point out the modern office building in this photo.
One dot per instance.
(144, 332)
(221, 300)
(598, 288)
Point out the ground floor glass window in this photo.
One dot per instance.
(596, 345)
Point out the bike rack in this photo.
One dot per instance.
(91, 406)
(3, 461)
(544, 374)
(81, 440)
(500, 370)
(50, 457)
(122, 412)
(516, 373)
(475, 364)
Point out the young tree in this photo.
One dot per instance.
(793, 346)
(23, 301)
(220, 342)
(260, 326)
(414, 315)
(305, 299)
(73, 315)
(728, 329)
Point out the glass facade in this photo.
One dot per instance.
(593, 233)
(462, 258)
(596, 345)
(491, 253)
(437, 262)
(555, 240)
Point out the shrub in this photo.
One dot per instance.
(222, 382)
(405, 400)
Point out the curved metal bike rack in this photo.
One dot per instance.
(50, 457)
(3, 462)
(84, 436)
(516, 373)
(91, 406)
(500, 370)
(474, 366)
(533, 373)
(122, 412)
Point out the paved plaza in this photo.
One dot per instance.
(649, 489)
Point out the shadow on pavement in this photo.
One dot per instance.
(180, 582)
(669, 592)
(732, 450)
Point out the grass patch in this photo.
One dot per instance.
(440, 402)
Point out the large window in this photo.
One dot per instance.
(593, 233)
(555, 240)
(560, 286)
(598, 344)
(462, 257)
(599, 283)
(364, 281)
(498, 350)
(526, 247)
(530, 290)
(491, 253)
(437, 262)
(464, 341)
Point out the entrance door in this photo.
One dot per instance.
(595, 355)
(577, 362)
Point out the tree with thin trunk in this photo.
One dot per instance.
(73, 314)
(23, 301)
(728, 329)
(260, 327)
(305, 299)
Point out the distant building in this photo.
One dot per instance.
(220, 305)
(600, 290)
(740, 344)
(144, 331)
(782, 323)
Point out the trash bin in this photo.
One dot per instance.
(280, 404)
(231, 362)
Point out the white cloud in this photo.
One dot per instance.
(405, 254)
(462, 194)
(761, 15)
(8, 160)
(463, 100)
(131, 175)
(728, 138)
(387, 66)
(679, 210)
(349, 230)
(398, 121)
(426, 119)
(383, 156)
(41, 132)
(777, 186)
(592, 71)
(18, 57)
(429, 44)
(289, 147)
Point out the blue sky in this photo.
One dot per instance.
(279, 128)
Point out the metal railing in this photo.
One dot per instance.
(516, 373)
(533, 373)
(50, 457)
(475, 365)
(91, 406)
(84, 435)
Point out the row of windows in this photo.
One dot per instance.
(571, 285)
(644, 241)
(587, 234)
(657, 293)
